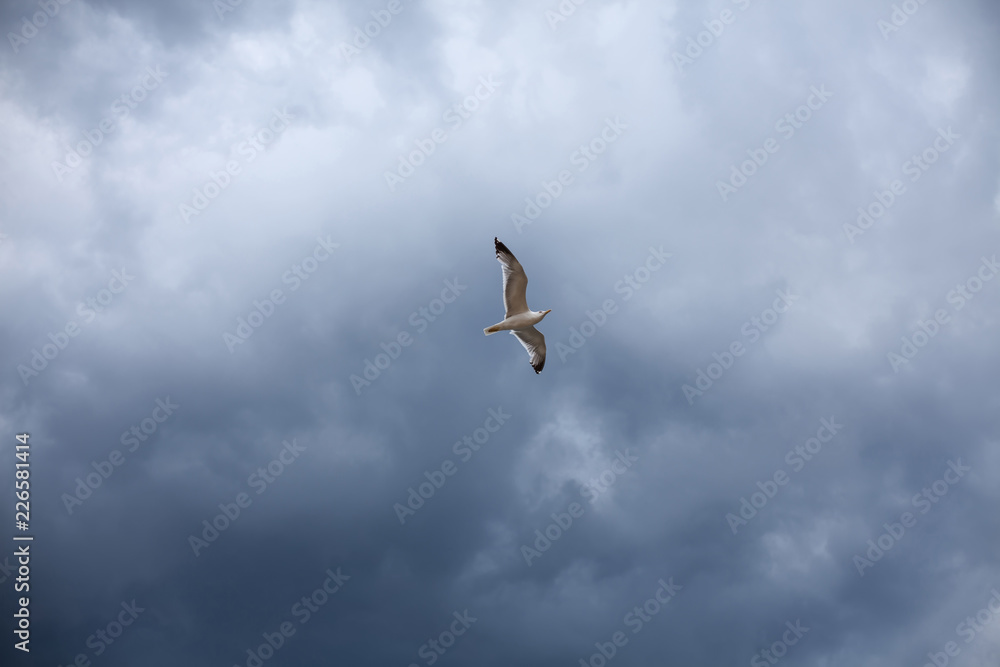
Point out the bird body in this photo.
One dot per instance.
(519, 319)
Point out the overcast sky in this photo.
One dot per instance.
(246, 258)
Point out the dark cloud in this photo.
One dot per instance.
(677, 403)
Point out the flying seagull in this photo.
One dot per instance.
(518, 319)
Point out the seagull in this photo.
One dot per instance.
(518, 319)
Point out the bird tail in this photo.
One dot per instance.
(492, 330)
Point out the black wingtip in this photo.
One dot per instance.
(500, 247)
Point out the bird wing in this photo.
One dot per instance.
(534, 342)
(515, 282)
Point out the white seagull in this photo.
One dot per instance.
(518, 319)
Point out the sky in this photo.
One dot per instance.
(246, 257)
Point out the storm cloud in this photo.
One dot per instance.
(246, 256)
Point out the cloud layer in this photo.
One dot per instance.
(246, 257)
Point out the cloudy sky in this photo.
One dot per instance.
(247, 258)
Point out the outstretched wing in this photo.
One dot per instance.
(515, 282)
(534, 342)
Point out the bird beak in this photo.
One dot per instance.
(548, 311)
